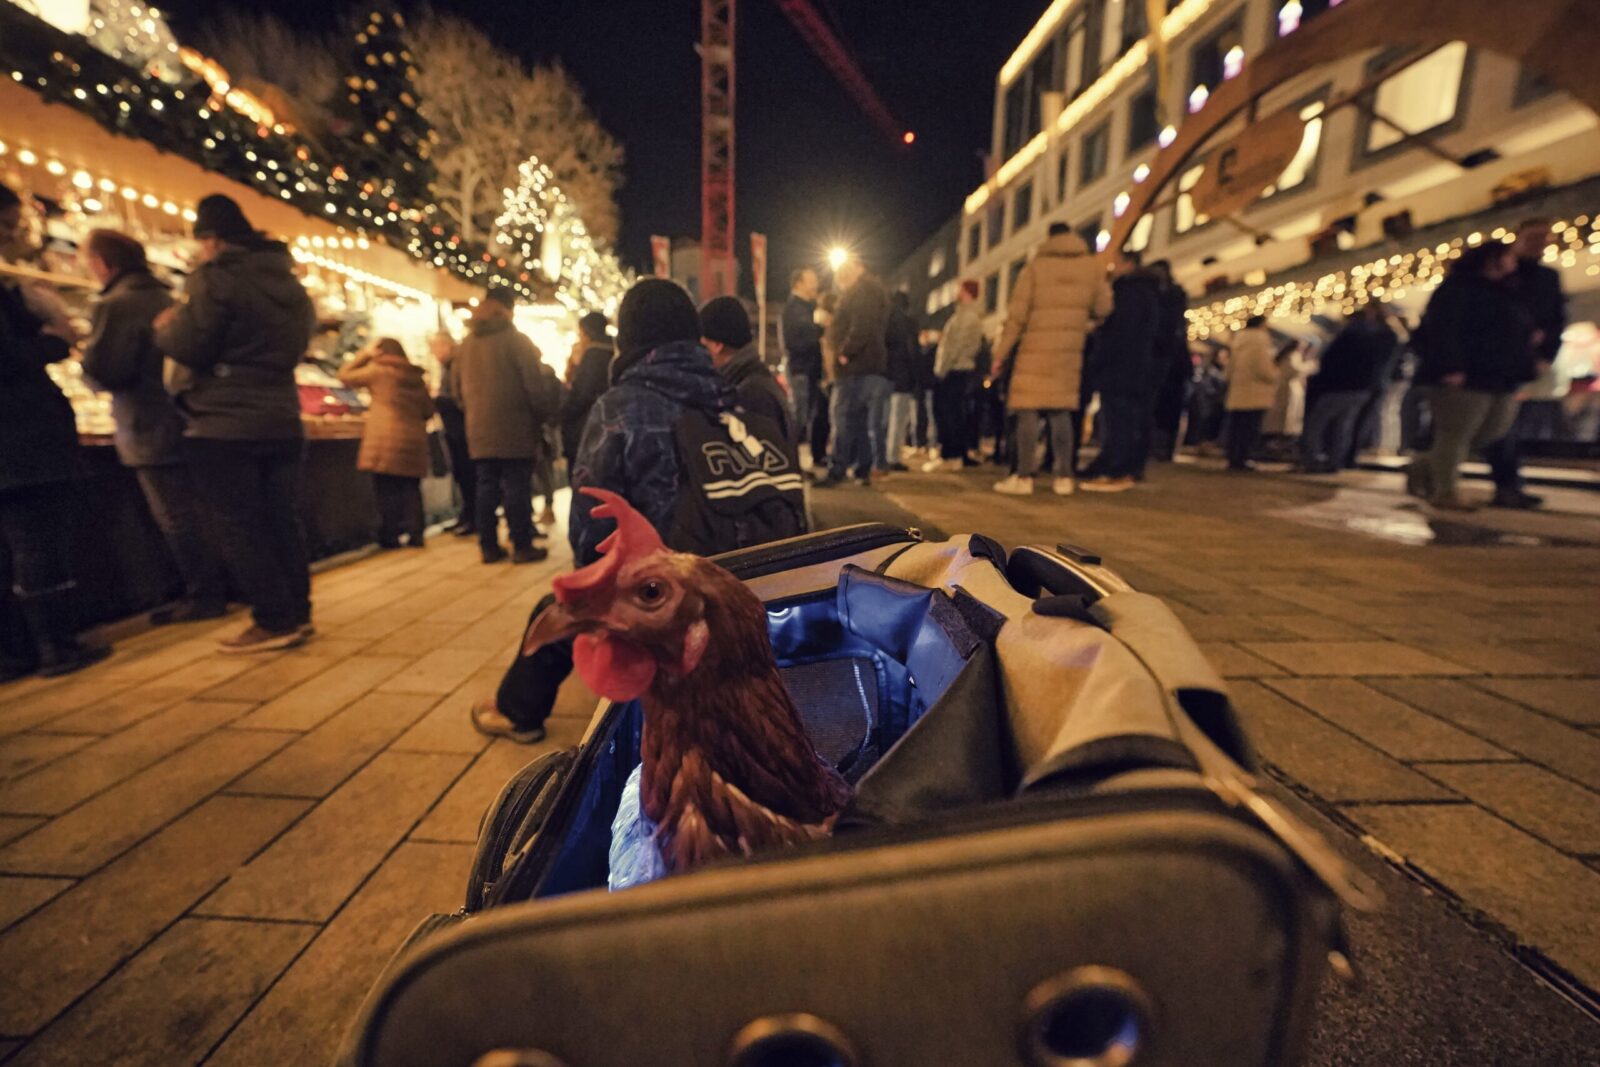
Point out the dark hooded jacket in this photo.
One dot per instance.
(1124, 359)
(122, 358)
(900, 341)
(801, 338)
(629, 444)
(589, 381)
(759, 392)
(38, 434)
(237, 337)
(1475, 327)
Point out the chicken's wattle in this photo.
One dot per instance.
(614, 667)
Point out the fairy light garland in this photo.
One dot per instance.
(1386, 279)
(541, 228)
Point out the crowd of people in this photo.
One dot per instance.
(1077, 341)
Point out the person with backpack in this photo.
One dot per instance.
(670, 437)
(726, 334)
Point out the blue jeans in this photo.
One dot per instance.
(803, 397)
(853, 410)
(902, 420)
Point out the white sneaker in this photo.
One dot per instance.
(934, 465)
(1064, 486)
(1016, 485)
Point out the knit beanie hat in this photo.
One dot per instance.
(503, 295)
(725, 320)
(594, 326)
(218, 216)
(655, 312)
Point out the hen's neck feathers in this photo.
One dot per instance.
(727, 736)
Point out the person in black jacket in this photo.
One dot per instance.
(800, 337)
(1174, 366)
(1474, 344)
(725, 333)
(1352, 368)
(236, 339)
(38, 464)
(900, 337)
(122, 358)
(1538, 290)
(588, 377)
(1123, 372)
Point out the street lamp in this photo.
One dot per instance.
(838, 256)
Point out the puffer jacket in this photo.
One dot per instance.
(122, 358)
(38, 434)
(1252, 371)
(507, 398)
(394, 439)
(243, 326)
(629, 444)
(1057, 298)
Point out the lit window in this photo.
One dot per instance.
(1139, 239)
(936, 263)
(1184, 217)
(1095, 155)
(1422, 96)
(933, 302)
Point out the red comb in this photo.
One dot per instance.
(633, 538)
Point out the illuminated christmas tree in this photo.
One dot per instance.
(395, 140)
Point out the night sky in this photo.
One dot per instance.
(811, 168)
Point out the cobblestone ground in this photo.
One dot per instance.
(208, 859)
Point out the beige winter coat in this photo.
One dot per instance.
(1252, 372)
(394, 439)
(1055, 301)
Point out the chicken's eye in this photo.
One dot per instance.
(651, 592)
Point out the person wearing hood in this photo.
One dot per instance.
(234, 342)
(725, 333)
(39, 462)
(508, 402)
(121, 357)
(1123, 372)
(394, 440)
(629, 447)
(1058, 296)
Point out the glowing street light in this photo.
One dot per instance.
(838, 256)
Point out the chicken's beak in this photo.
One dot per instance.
(550, 625)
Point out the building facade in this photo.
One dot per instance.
(1078, 117)
(930, 275)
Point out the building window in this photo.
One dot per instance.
(1184, 217)
(1143, 123)
(1092, 46)
(1061, 175)
(1290, 15)
(936, 263)
(1073, 38)
(1134, 24)
(974, 241)
(1022, 207)
(1214, 60)
(1420, 98)
(1095, 154)
(1013, 274)
(997, 220)
(1139, 239)
(1305, 157)
(991, 293)
(1016, 117)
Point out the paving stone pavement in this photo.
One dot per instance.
(276, 824)
(1443, 697)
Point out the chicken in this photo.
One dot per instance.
(727, 767)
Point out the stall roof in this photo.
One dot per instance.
(80, 143)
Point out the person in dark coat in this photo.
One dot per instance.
(629, 447)
(38, 464)
(1475, 346)
(1174, 370)
(725, 332)
(856, 360)
(925, 435)
(509, 402)
(122, 358)
(899, 416)
(1122, 371)
(800, 337)
(1352, 368)
(588, 377)
(1538, 290)
(236, 339)
(453, 417)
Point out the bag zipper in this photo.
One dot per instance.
(811, 549)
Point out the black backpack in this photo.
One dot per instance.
(741, 485)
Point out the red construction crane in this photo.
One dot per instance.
(718, 263)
